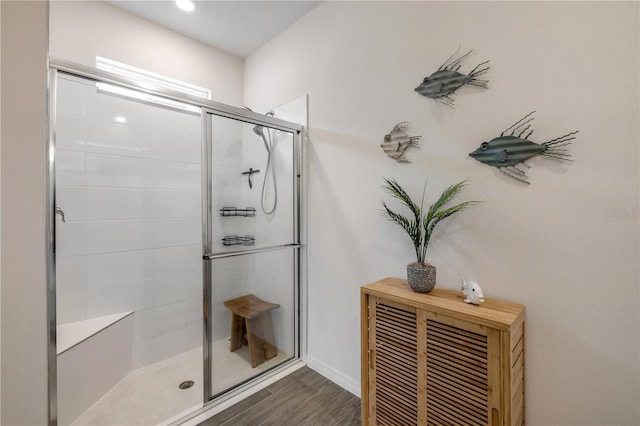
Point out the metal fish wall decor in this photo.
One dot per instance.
(397, 141)
(447, 79)
(508, 152)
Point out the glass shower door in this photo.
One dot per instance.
(251, 251)
(127, 257)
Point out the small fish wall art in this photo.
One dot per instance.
(397, 141)
(508, 152)
(447, 79)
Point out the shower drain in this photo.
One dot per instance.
(186, 384)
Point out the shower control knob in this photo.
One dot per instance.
(60, 212)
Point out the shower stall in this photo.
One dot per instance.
(174, 277)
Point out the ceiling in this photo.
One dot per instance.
(237, 27)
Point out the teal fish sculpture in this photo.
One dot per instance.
(508, 152)
(447, 79)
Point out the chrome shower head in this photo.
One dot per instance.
(259, 130)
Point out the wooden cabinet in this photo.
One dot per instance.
(431, 359)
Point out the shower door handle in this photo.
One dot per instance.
(60, 212)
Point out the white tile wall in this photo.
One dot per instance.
(70, 100)
(114, 236)
(70, 168)
(108, 269)
(226, 153)
(194, 312)
(159, 320)
(114, 171)
(161, 347)
(71, 306)
(167, 203)
(71, 239)
(72, 274)
(106, 107)
(70, 133)
(172, 289)
(170, 146)
(172, 260)
(194, 336)
(131, 196)
(107, 137)
(117, 298)
(167, 121)
(173, 232)
(159, 174)
(113, 203)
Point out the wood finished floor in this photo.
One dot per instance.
(303, 398)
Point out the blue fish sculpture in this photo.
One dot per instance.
(447, 79)
(508, 152)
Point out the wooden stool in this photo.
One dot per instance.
(251, 324)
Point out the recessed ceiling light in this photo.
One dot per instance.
(121, 119)
(186, 5)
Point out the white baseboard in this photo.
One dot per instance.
(334, 375)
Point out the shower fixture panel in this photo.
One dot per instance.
(60, 212)
(250, 173)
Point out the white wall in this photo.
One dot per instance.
(566, 245)
(80, 30)
(24, 137)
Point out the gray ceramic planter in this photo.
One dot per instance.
(421, 277)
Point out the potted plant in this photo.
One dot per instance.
(421, 275)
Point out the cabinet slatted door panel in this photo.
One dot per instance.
(457, 376)
(517, 378)
(433, 360)
(396, 366)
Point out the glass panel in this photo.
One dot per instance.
(128, 258)
(259, 289)
(253, 186)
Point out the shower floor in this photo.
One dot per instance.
(150, 395)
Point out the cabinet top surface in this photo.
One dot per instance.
(494, 312)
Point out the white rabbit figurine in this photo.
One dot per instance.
(472, 291)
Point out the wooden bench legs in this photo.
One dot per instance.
(251, 325)
(257, 333)
(238, 336)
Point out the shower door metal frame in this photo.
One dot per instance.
(52, 353)
(207, 217)
(207, 108)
